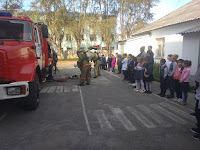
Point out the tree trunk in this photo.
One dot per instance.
(78, 45)
(108, 48)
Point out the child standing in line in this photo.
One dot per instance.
(197, 115)
(109, 62)
(177, 78)
(163, 71)
(124, 66)
(113, 63)
(170, 78)
(185, 78)
(139, 74)
(148, 75)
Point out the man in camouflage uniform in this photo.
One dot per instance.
(84, 66)
(97, 65)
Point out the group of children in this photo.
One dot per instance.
(139, 71)
(175, 75)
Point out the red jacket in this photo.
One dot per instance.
(178, 73)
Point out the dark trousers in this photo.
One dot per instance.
(163, 86)
(178, 88)
(119, 68)
(125, 74)
(103, 66)
(55, 67)
(131, 77)
(197, 113)
(170, 83)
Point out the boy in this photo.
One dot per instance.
(170, 78)
(169, 61)
(129, 67)
(124, 66)
(177, 78)
(163, 71)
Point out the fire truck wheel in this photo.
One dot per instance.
(31, 102)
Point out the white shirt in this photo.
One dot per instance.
(168, 63)
(124, 64)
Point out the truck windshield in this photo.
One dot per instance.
(15, 30)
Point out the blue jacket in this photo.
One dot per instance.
(103, 61)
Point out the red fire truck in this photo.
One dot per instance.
(25, 59)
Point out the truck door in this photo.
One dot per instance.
(38, 46)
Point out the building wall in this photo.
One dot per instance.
(191, 48)
(173, 45)
(132, 46)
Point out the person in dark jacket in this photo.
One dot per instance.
(119, 63)
(148, 75)
(149, 57)
(163, 71)
(131, 68)
(109, 62)
(103, 62)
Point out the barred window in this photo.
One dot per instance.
(161, 47)
(93, 37)
(68, 37)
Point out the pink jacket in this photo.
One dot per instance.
(113, 62)
(185, 75)
(178, 72)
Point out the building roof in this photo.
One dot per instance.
(188, 12)
(192, 30)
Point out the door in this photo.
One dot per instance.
(38, 47)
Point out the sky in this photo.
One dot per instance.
(163, 8)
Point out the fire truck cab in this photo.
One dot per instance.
(25, 59)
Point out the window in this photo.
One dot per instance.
(82, 36)
(103, 48)
(161, 47)
(69, 48)
(15, 30)
(102, 38)
(68, 37)
(82, 48)
(93, 37)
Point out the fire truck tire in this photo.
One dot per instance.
(50, 77)
(31, 102)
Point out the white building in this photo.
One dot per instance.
(176, 33)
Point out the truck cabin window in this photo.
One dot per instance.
(15, 30)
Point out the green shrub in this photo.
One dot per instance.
(156, 72)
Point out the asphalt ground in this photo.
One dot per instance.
(106, 115)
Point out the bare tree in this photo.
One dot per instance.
(11, 5)
(53, 13)
(134, 14)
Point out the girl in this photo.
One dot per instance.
(113, 63)
(139, 74)
(124, 66)
(148, 75)
(177, 78)
(185, 77)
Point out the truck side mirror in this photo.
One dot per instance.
(44, 29)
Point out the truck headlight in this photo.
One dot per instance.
(14, 90)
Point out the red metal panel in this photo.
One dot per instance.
(3, 66)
